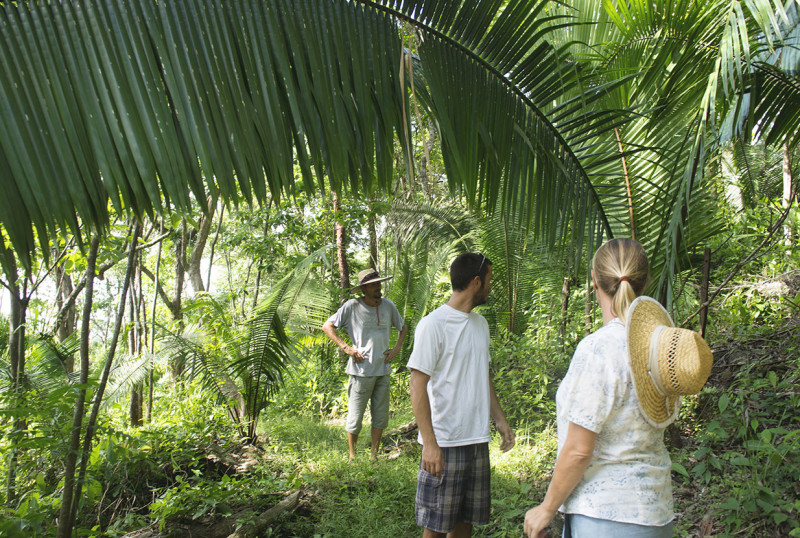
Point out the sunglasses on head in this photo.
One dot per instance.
(481, 265)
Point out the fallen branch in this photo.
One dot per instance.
(260, 523)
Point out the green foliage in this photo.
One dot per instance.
(525, 377)
(131, 468)
(760, 298)
(125, 467)
(316, 386)
(747, 449)
(198, 497)
(39, 447)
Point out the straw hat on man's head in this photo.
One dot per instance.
(667, 362)
(369, 276)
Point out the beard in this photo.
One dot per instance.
(481, 298)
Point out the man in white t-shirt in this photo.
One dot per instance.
(453, 398)
(368, 321)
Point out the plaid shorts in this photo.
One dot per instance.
(461, 494)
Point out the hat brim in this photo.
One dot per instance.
(371, 281)
(644, 315)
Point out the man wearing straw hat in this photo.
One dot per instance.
(368, 321)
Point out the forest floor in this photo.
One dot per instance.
(376, 498)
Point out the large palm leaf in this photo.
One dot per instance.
(147, 105)
(693, 59)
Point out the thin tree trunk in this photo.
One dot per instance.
(704, 290)
(424, 175)
(199, 246)
(134, 350)
(180, 256)
(564, 306)
(341, 245)
(627, 183)
(588, 308)
(66, 325)
(16, 354)
(373, 240)
(66, 519)
(213, 247)
(153, 331)
(98, 395)
(788, 235)
(260, 271)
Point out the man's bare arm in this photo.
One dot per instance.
(432, 459)
(500, 422)
(330, 332)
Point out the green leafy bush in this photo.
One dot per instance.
(747, 455)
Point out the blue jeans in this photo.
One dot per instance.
(578, 526)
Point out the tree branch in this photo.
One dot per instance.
(160, 289)
(70, 301)
(771, 231)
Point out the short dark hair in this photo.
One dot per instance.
(466, 267)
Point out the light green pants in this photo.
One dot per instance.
(360, 391)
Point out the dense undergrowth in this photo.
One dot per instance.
(735, 449)
(737, 473)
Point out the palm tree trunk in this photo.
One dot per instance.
(66, 517)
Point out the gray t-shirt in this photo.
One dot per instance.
(369, 328)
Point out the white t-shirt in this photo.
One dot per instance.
(452, 347)
(370, 329)
(628, 479)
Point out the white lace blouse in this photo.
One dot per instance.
(629, 478)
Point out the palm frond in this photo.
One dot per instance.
(129, 372)
(145, 106)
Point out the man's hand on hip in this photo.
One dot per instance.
(390, 354)
(353, 352)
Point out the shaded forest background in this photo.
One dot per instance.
(191, 186)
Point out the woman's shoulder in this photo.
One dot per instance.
(608, 341)
(613, 331)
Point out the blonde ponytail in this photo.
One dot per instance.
(621, 271)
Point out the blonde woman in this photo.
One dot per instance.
(612, 473)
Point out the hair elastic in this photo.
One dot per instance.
(623, 279)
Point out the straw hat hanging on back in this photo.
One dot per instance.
(667, 362)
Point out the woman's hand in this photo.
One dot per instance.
(536, 521)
